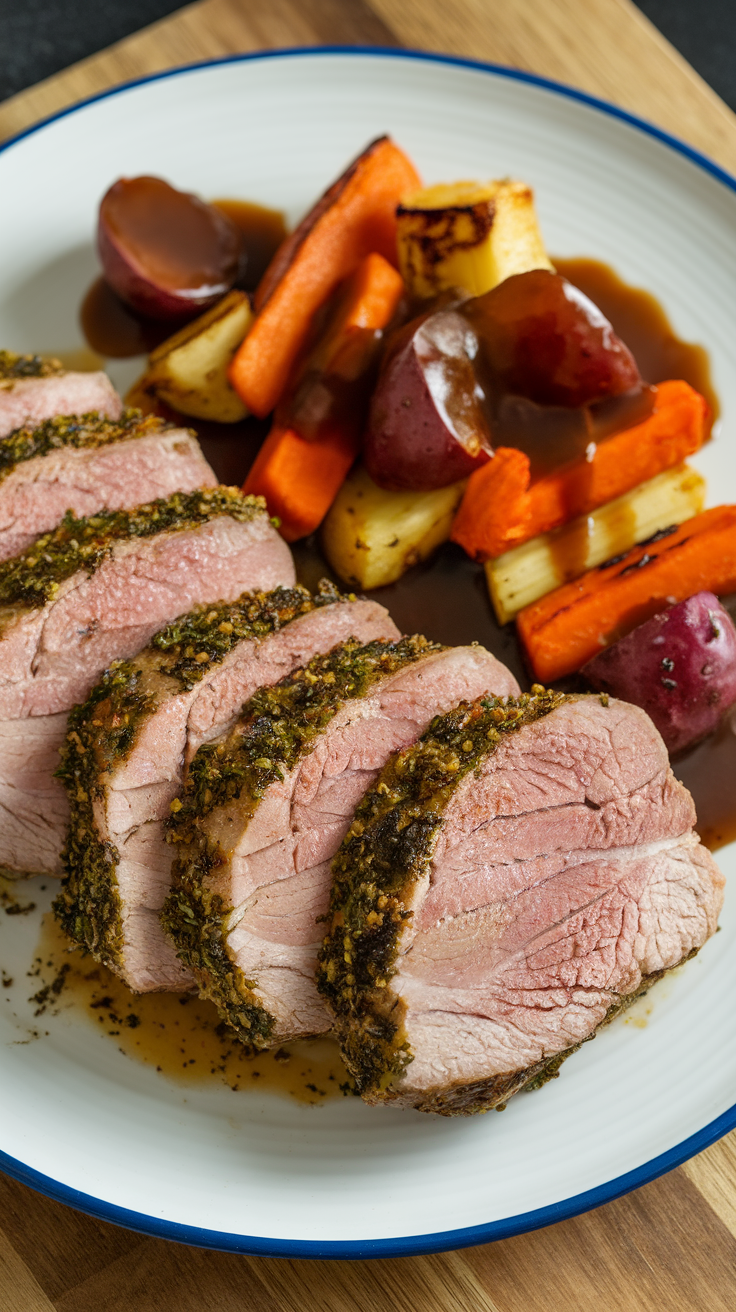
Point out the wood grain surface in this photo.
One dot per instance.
(669, 1247)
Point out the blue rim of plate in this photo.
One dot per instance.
(446, 1240)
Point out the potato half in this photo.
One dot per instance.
(470, 235)
(371, 537)
(190, 370)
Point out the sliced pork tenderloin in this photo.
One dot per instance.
(88, 463)
(33, 389)
(506, 886)
(265, 809)
(93, 591)
(34, 811)
(185, 688)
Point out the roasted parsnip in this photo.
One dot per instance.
(469, 235)
(371, 537)
(526, 573)
(189, 370)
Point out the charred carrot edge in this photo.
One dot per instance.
(500, 510)
(299, 479)
(568, 626)
(357, 215)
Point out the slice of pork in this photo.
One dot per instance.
(255, 641)
(52, 655)
(248, 893)
(28, 401)
(89, 464)
(34, 811)
(546, 875)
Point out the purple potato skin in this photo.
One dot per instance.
(680, 667)
(139, 292)
(132, 282)
(413, 440)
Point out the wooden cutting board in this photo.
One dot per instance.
(670, 1247)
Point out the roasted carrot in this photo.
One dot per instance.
(495, 512)
(317, 428)
(500, 509)
(568, 626)
(330, 386)
(299, 479)
(356, 215)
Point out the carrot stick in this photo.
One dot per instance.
(299, 479)
(500, 509)
(355, 216)
(374, 292)
(299, 470)
(568, 626)
(496, 509)
(350, 343)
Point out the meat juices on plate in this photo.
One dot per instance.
(265, 809)
(85, 463)
(174, 702)
(505, 887)
(104, 594)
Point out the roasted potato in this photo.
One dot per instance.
(469, 235)
(425, 427)
(189, 370)
(371, 537)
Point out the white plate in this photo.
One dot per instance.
(264, 1174)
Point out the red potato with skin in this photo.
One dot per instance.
(425, 428)
(165, 252)
(543, 339)
(680, 667)
(515, 367)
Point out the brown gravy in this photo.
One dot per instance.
(115, 331)
(447, 598)
(112, 329)
(642, 324)
(709, 771)
(263, 231)
(178, 1034)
